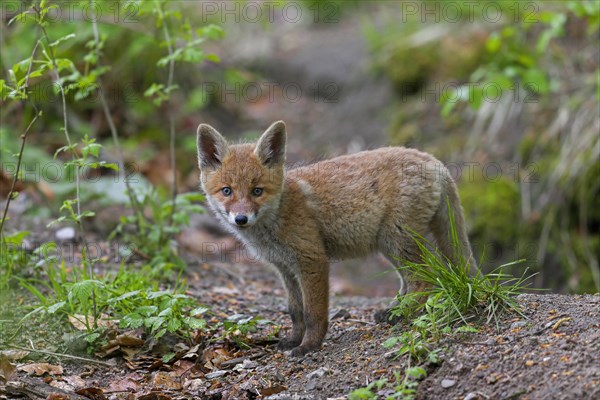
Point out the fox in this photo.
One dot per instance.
(298, 219)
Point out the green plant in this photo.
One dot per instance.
(238, 326)
(149, 239)
(129, 296)
(160, 312)
(12, 256)
(453, 298)
(454, 294)
(404, 386)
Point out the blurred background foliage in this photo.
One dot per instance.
(505, 92)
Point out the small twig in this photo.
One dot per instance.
(50, 353)
(234, 361)
(360, 321)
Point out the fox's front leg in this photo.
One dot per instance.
(295, 308)
(314, 281)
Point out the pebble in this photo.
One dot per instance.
(248, 364)
(448, 383)
(319, 373)
(339, 314)
(472, 396)
(518, 324)
(216, 374)
(66, 233)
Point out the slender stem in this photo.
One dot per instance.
(74, 155)
(135, 205)
(170, 117)
(15, 177)
(23, 140)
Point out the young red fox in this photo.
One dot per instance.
(346, 207)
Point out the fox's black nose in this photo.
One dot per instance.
(241, 219)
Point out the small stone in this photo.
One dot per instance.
(472, 396)
(448, 383)
(248, 364)
(518, 324)
(311, 385)
(65, 234)
(216, 374)
(341, 313)
(319, 373)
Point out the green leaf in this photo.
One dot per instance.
(155, 323)
(88, 214)
(146, 311)
(62, 39)
(213, 57)
(56, 306)
(82, 291)
(536, 80)
(173, 325)
(4, 89)
(196, 323)
(16, 238)
(199, 311)
(493, 43)
(475, 97)
(211, 31)
(416, 373)
(391, 342)
(65, 63)
(132, 320)
(23, 17)
(193, 55)
(362, 394)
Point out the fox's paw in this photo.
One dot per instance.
(386, 316)
(303, 350)
(289, 343)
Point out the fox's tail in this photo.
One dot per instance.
(450, 214)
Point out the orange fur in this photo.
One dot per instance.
(345, 207)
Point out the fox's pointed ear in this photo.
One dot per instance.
(212, 147)
(270, 148)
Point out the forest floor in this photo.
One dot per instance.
(553, 353)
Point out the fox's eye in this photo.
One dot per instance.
(226, 191)
(257, 191)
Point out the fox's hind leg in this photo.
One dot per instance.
(398, 246)
(448, 213)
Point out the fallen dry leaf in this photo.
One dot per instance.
(560, 322)
(129, 340)
(7, 369)
(129, 383)
(92, 393)
(166, 381)
(154, 396)
(68, 383)
(182, 366)
(58, 396)
(40, 369)
(14, 355)
(78, 321)
(272, 390)
(214, 357)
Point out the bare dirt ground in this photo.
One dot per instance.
(553, 354)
